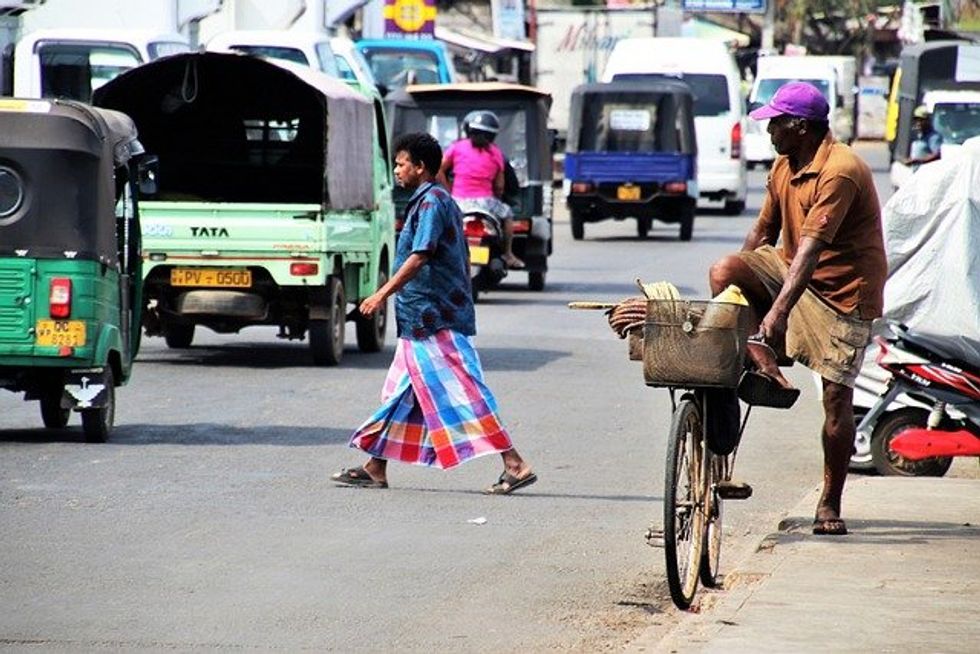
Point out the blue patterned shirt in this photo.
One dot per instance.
(440, 295)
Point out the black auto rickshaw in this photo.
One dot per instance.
(524, 138)
(69, 257)
(632, 153)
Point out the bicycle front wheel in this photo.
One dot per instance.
(685, 493)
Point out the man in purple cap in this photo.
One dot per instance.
(813, 269)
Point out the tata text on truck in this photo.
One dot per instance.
(69, 257)
(274, 203)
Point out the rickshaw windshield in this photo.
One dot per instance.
(446, 126)
(395, 68)
(638, 124)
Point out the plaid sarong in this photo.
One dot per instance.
(435, 408)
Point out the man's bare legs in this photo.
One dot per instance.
(838, 441)
(377, 468)
(732, 270)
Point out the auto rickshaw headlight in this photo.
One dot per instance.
(59, 297)
(11, 192)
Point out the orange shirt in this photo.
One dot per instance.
(833, 199)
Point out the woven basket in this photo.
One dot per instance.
(694, 343)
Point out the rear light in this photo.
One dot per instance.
(582, 187)
(476, 229)
(59, 297)
(303, 269)
(675, 187)
(399, 223)
(522, 226)
(736, 140)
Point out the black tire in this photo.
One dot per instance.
(327, 335)
(97, 423)
(711, 553)
(643, 226)
(734, 207)
(536, 280)
(578, 224)
(687, 224)
(475, 288)
(53, 416)
(371, 329)
(888, 462)
(750, 165)
(178, 336)
(684, 497)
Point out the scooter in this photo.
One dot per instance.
(934, 371)
(484, 233)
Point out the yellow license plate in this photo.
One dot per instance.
(219, 277)
(628, 193)
(60, 333)
(479, 255)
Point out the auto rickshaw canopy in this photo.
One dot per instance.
(439, 110)
(58, 161)
(238, 128)
(643, 115)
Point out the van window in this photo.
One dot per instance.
(328, 63)
(768, 86)
(295, 55)
(956, 121)
(74, 70)
(398, 68)
(166, 48)
(710, 91)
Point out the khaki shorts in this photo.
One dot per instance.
(825, 341)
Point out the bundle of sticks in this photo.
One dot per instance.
(630, 313)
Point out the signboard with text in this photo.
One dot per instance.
(737, 6)
(410, 19)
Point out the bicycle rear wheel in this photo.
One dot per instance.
(685, 492)
(711, 555)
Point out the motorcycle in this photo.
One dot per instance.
(484, 233)
(942, 373)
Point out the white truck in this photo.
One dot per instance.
(573, 45)
(835, 76)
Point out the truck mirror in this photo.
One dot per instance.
(146, 174)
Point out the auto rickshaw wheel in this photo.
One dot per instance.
(643, 225)
(327, 335)
(535, 280)
(53, 416)
(371, 329)
(687, 224)
(97, 423)
(578, 224)
(178, 336)
(734, 207)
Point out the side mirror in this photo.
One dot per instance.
(146, 174)
(553, 138)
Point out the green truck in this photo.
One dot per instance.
(274, 199)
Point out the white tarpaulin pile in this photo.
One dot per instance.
(932, 239)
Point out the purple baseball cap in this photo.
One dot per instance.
(795, 99)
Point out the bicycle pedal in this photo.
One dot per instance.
(655, 537)
(733, 490)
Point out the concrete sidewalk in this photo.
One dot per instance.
(905, 579)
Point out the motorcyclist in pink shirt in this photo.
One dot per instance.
(477, 166)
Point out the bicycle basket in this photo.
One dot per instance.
(694, 343)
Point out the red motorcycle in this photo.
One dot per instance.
(940, 372)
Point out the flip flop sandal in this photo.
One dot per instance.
(357, 477)
(829, 527)
(508, 483)
(758, 389)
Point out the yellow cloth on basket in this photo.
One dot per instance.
(732, 295)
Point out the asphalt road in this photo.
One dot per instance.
(209, 522)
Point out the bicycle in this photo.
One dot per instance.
(696, 348)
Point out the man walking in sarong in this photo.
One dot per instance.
(436, 409)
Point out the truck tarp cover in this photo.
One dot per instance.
(932, 238)
(235, 128)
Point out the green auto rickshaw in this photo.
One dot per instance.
(70, 258)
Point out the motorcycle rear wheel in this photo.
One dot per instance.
(890, 463)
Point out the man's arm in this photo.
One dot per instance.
(765, 230)
(442, 177)
(402, 276)
(773, 326)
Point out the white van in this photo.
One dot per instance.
(709, 69)
(72, 63)
(834, 76)
(304, 48)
